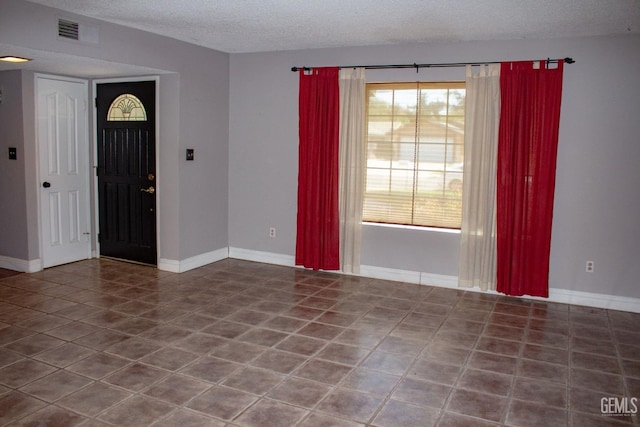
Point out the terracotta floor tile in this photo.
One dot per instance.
(337, 319)
(305, 346)
(316, 419)
(200, 343)
(8, 357)
(94, 399)
(248, 317)
(53, 416)
(432, 370)
(34, 344)
(188, 419)
(546, 354)
(64, 355)
(542, 392)
(485, 382)
(11, 334)
(169, 358)
(72, 330)
(101, 339)
(351, 405)
(55, 386)
(268, 412)
(422, 393)
(401, 414)
(193, 321)
(98, 365)
(241, 343)
(239, 352)
(300, 392)
(222, 402)
(210, 369)
(263, 337)
(23, 372)
(323, 371)
(372, 382)
(451, 419)
(253, 380)
(395, 364)
(527, 413)
(608, 384)
(226, 329)
(279, 361)
(43, 323)
(448, 354)
(476, 404)
(17, 405)
(137, 411)
(344, 354)
(165, 334)
(321, 330)
(134, 348)
(360, 338)
(177, 389)
(493, 362)
(136, 377)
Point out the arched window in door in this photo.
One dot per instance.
(126, 107)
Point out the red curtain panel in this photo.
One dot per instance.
(318, 224)
(527, 145)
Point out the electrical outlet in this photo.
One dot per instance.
(589, 267)
(272, 232)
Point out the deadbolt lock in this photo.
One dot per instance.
(151, 177)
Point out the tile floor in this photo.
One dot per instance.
(238, 343)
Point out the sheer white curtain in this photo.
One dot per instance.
(352, 158)
(477, 265)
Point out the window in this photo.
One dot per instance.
(415, 143)
(126, 107)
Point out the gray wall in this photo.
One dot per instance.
(13, 203)
(239, 113)
(597, 203)
(193, 99)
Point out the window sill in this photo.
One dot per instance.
(413, 227)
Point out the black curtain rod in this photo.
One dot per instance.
(418, 66)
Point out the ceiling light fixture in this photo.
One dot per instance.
(14, 59)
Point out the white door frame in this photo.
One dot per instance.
(39, 178)
(94, 154)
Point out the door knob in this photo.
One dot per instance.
(149, 190)
(46, 184)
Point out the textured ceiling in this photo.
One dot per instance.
(268, 25)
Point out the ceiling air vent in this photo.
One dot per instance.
(68, 29)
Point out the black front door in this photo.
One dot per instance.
(127, 170)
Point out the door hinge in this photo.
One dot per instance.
(96, 101)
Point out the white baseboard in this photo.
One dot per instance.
(589, 299)
(175, 266)
(23, 265)
(389, 274)
(259, 256)
(564, 296)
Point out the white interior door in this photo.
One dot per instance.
(63, 145)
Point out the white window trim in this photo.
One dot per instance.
(414, 227)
